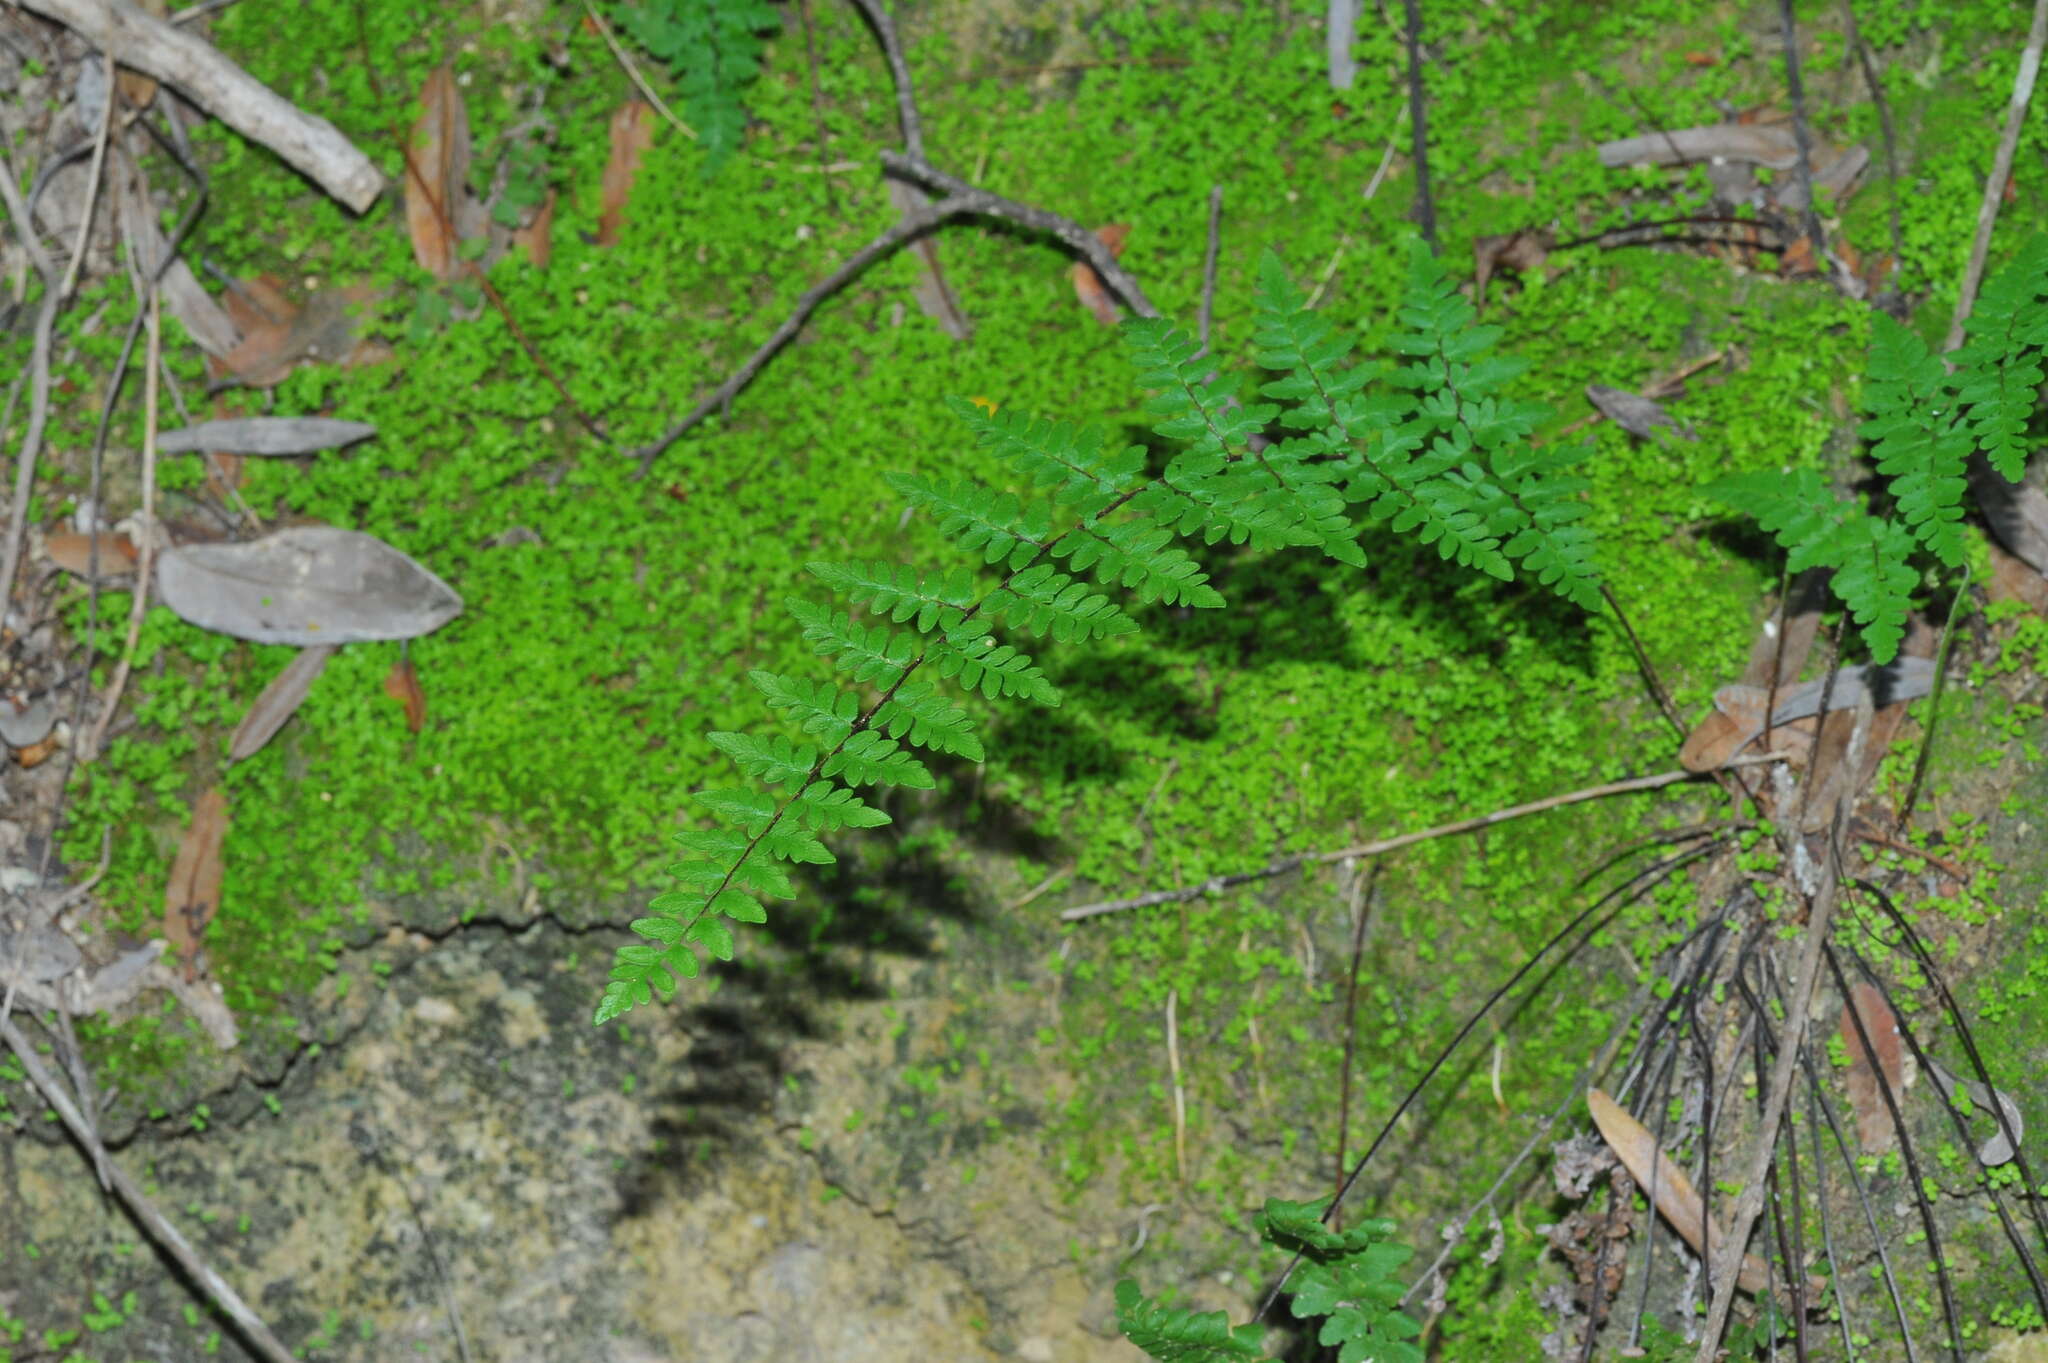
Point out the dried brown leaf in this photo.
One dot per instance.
(536, 238)
(73, 553)
(402, 684)
(437, 173)
(1088, 285)
(193, 896)
(1656, 1173)
(1875, 1133)
(632, 133)
(1519, 251)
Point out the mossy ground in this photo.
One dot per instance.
(569, 704)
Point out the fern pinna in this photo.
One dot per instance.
(1927, 421)
(1345, 1278)
(1436, 450)
(713, 48)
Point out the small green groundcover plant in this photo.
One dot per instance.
(1430, 444)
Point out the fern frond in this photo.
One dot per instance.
(995, 523)
(1190, 407)
(1871, 557)
(1921, 445)
(900, 592)
(1084, 474)
(714, 49)
(1177, 1335)
(930, 719)
(824, 807)
(1348, 1277)
(1039, 599)
(869, 759)
(773, 760)
(870, 652)
(1140, 555)
(820, 709)
(996, 669)
(1998, 370)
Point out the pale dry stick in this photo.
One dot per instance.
(208, 79)
(1750, 1205)
(92, 184)
(2001, 167)
(39, 379)
(1315, 296)
(1379, 175)
(1055, 878)
(1180, 1106)
(138, 606)
(1216, 884)
(254, 1332)
(626, 64)
(901, 231)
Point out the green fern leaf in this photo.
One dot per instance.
(1039, 599)
(747, 809)
(1085, 475)
(997, 669)
(1139, 555)
(900, 592)
(773, 760)
(820, 709)
(714, 48)
(870, 652)
(931, 720)
(823, 807)
(1999, 370)
(869, 759)
(1920, 444)
(995, 523)
(1174, 1335)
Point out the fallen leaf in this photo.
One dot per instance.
(1088, 285)
(278, 335)
(437, 172)
(73, 553)
(279, 702)
(147, 251)
(315, 584)
(1638, 415)
(632, 133)
(536, 238)
(35, 754)
(1797, 258)
(193, 896)
(278, 435)
(402, 684)
(1655, 1173)
(1520, 251)
(1875, 1133)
